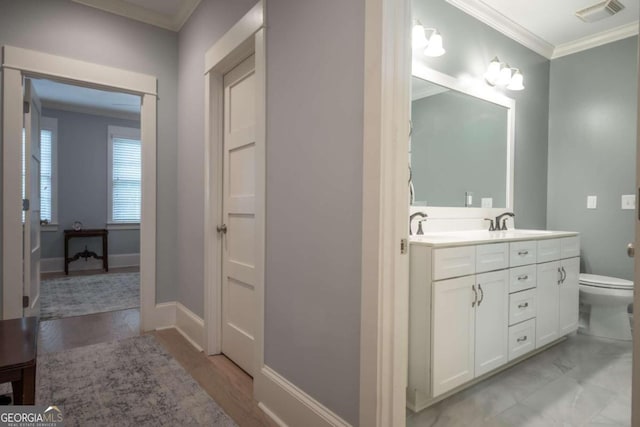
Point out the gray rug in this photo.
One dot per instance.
(133, 382)
(80, 295)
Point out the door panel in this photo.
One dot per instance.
(569, 296)
(238, 290)
(453, 333)
(31, 228)
(547, 297)
(492, 321)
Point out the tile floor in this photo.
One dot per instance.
(583, 381)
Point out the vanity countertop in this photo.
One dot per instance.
(475, 237)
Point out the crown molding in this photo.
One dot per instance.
(609, 36)
(142, 14)
(506, 26)
(94, 111)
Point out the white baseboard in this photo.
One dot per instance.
(173, 314)
(56, 265)
(287, 405)
(190, 326)
(161, 316)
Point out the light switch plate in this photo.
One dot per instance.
(628, 201)
(592, 202)
(486, 202)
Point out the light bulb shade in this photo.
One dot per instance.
(517, 81)
(493, 71)
(504, 77)
(434, 46)
(418, 36)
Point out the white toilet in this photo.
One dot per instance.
(604, 304)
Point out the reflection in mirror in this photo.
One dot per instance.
(459, 148)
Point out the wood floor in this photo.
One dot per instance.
(225, 382)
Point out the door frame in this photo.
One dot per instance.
(384, 340)
(245, 38)
(635, 377)
(18, 63)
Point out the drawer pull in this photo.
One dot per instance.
(521, 339)
(523, 253)
(525, 305)
(523, 277)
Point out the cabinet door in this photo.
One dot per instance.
(547, 297)
(453, 333)
(492, 321)
(569, 294)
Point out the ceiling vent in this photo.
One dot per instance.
(600, 11)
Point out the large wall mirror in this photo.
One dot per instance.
(461, 143)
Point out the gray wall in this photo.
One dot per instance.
(458, 145)
(592, 151)
(315, 78)
(82, 184)
(470, 47)
(208, 23)
(69, 29)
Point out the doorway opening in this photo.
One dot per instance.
(20, 66)
(89, 199)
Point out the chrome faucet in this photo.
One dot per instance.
(423, 216)
(503, 226)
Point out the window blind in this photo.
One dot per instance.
(46, 176)
(126, 178)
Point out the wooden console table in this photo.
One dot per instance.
(70, 234)
(18, 354)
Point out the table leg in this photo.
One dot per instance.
(66, 255)
(29, 385)
(24, 390)
(105, 252)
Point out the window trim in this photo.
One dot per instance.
(51, 124)
(123, 132)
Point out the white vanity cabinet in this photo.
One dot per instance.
(470, 328)
(558, 289)
(474, 308)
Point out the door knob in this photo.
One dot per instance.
(222, 229)
(631, 250)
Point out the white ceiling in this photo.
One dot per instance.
(550, 27)
(168, 14)
(76, 98)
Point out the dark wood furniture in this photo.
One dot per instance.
(70, 234)
(18, 352)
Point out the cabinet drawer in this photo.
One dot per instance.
(521, 278)
(522, 306)
(522, 338)
(454, 262)
(522, 253)
(548, 250)
(570, 247)
(492, 257)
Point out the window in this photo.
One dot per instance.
(48, 170)
(125, 174)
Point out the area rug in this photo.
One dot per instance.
(133, 382)
(80, 295)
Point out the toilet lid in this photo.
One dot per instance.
(605, 281)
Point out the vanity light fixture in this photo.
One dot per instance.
(501, 74)
(432, 45)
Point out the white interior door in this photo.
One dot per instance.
(31, 191)
(238, 279)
